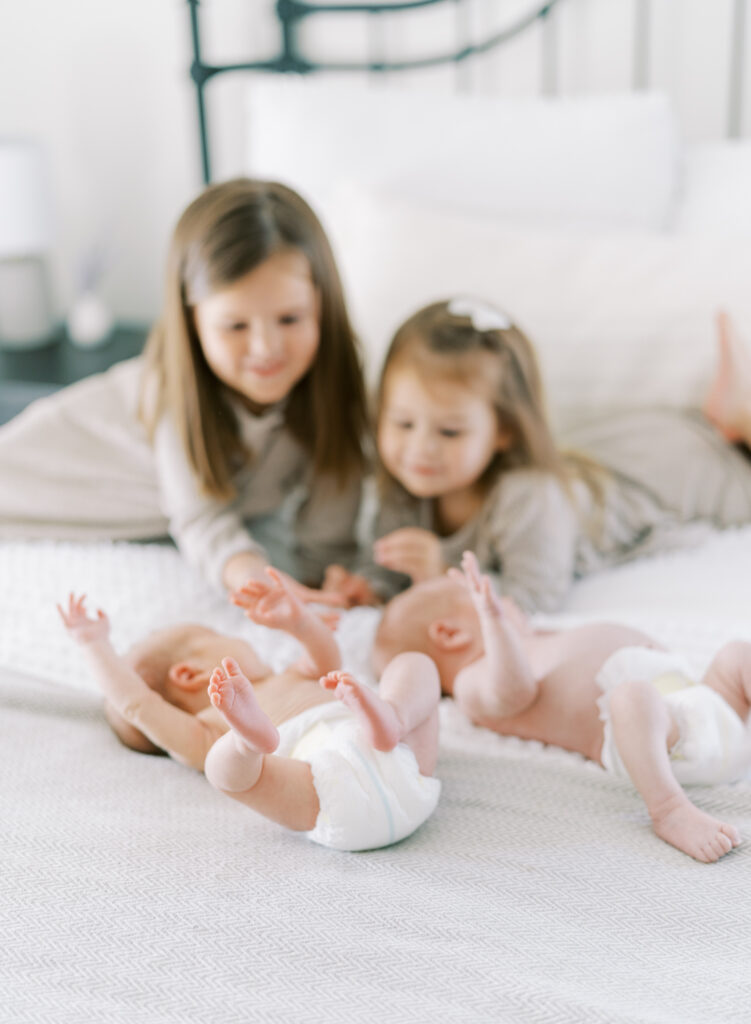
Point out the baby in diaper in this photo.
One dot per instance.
(606, 691)
(309, 748)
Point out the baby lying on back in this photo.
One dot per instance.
(606, 691)
(309, 747)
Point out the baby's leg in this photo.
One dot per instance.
(240, 762)
(644, 730)
(730, 675)
(728, 404)
(405, 709)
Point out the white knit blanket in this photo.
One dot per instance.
(130, 891)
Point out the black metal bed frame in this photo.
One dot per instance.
(290, 58)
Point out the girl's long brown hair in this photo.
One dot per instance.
(227, 231)
(500, 361)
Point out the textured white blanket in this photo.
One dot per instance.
(131, 892)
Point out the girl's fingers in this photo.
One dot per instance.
(328, 597)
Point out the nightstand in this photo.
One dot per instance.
(28, 374)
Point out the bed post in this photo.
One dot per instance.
(198, 73)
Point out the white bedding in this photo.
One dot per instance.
(131, 892)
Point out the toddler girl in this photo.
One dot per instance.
(468, 461)
(225, 435)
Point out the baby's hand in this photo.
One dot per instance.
(413, 551)
(270, 604)
(83, 629)
(484, 598)
(354, 588)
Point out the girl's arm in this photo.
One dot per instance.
(531, 529)
(501, 683)
(184, 736)
(209, 532)
(382, 516)
(326, 527)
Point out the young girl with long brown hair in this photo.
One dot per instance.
(231, 435)
(468, 462)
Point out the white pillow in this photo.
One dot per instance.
(716, 188)
(618, 319)
(593, 161)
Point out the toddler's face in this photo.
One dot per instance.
(435, 438)
(260, 334)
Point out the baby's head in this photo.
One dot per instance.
(177, 662)
(463, 376)
(436, 618)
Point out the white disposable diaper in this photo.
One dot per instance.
(713, 742)
(368, 798)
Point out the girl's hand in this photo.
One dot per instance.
(354, 589)
(311, 595)
(246, 566)
(415, 552)
(487, 603)
(272, 604)
(83, 629)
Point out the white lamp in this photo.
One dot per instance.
(25, 233)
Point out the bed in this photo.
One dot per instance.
(537, 891)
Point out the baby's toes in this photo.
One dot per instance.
(231, 667)
(330, 681)
(732, 833)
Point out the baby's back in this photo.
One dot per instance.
(565, 664)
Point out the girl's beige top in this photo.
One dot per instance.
(669, 469)
(78, 466)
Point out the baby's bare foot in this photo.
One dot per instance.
(698, 834)
(378, 718)
(728, 403)
(231, 693)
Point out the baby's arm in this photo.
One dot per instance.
(501, 683)
(277, 606)
(185, 737)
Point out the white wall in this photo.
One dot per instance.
(104, 85)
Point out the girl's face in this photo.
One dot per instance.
(437, 437)
(260, 334)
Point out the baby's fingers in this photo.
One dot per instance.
(471, 567)
(491, 601)
(277, 578)
(252, 589)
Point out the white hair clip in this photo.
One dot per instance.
(483, 316)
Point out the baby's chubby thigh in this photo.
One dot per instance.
(634, 684)
(729, 675)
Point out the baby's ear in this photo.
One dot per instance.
(449, 635)
(186, 676)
